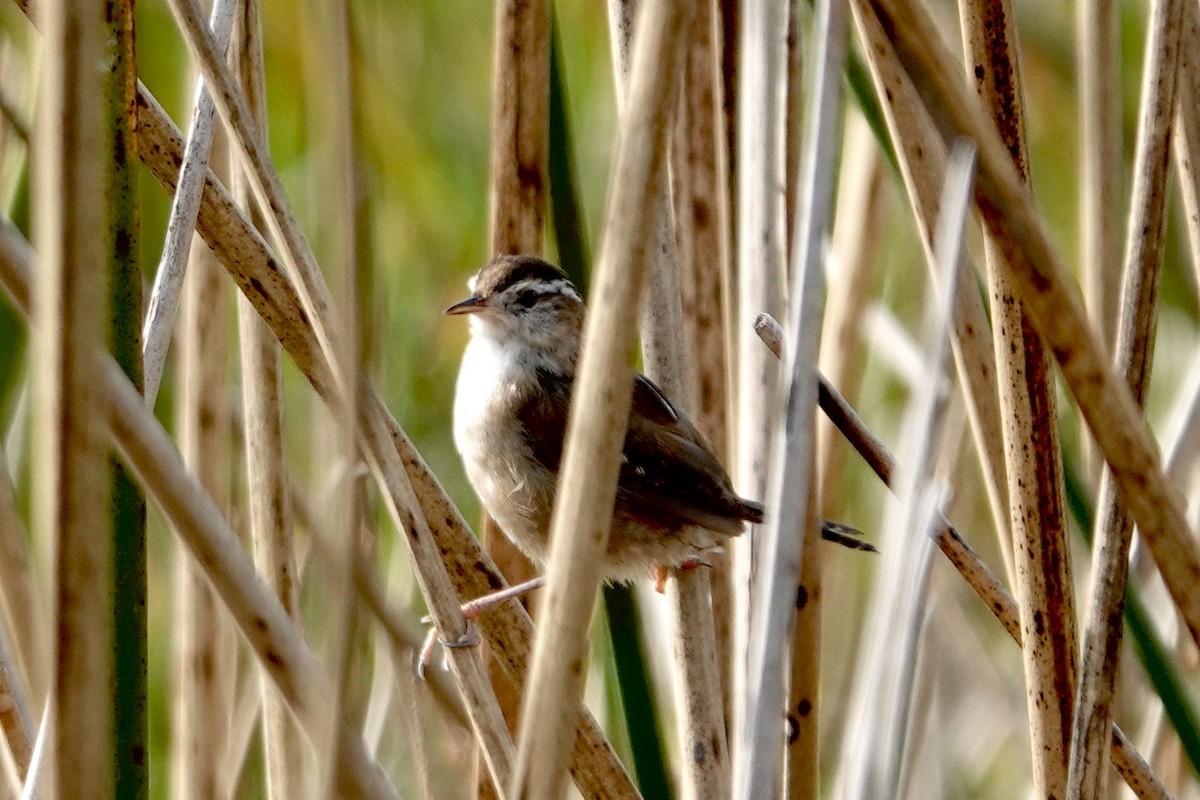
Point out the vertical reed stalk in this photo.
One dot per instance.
(600, 407)
(700, 182)
(760, 240)
(1133, 350)
(517, 205)
(1100, 193)
(1029, 413)
(73, 154)
(791, 534)
(697, 677)
(1100, 190)
(286, 754)
(202, 666)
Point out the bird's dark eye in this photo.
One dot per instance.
(527, 298)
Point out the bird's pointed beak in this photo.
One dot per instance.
(471, 305)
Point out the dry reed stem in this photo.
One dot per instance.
(268, 189)
(1045, 288)
(203, 664)
(667, 361)
(261, 279)
(519, 185)
(1187, 132)
(152, 455)
(72, 478)
(600, 406)
(1133, 351)
(1098, 75)
(181, 224)
(791, 536)
(700, 193)
(874, 748)
(286, 754)
(1030, 428)
(1099, 159)
(24, 608)
(982, 580)
(922, 156)
(863, 207)
(760, 270)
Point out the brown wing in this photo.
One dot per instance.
(669, 474)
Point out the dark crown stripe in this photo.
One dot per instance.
(506, 271)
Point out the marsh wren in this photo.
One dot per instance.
(674, 499)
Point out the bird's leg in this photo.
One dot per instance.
(472, 610)
(661, 571)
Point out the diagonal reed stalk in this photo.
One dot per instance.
(259, 276)
(1040, 279)
(921, 155)
(150, 453)
(982, 580)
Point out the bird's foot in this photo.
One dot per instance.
(471, 611)
(469, 638)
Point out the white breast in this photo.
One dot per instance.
(499, 464)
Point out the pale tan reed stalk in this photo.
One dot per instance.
(1186, 142)
(1133, 352)
(922, 157)
(699, 180)
(1100, 192)
(203, 668)
(600, 406)
(1030, 427)
(152, 455)
(789, 580)
(286, 754)
(1098, 75)
(260, 278)
(982, 580)
(172, 265)
(72, 474)
(667, 361)
(517, 201)
(760, 269)
(1041, 280)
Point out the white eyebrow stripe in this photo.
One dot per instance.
(538, 286)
